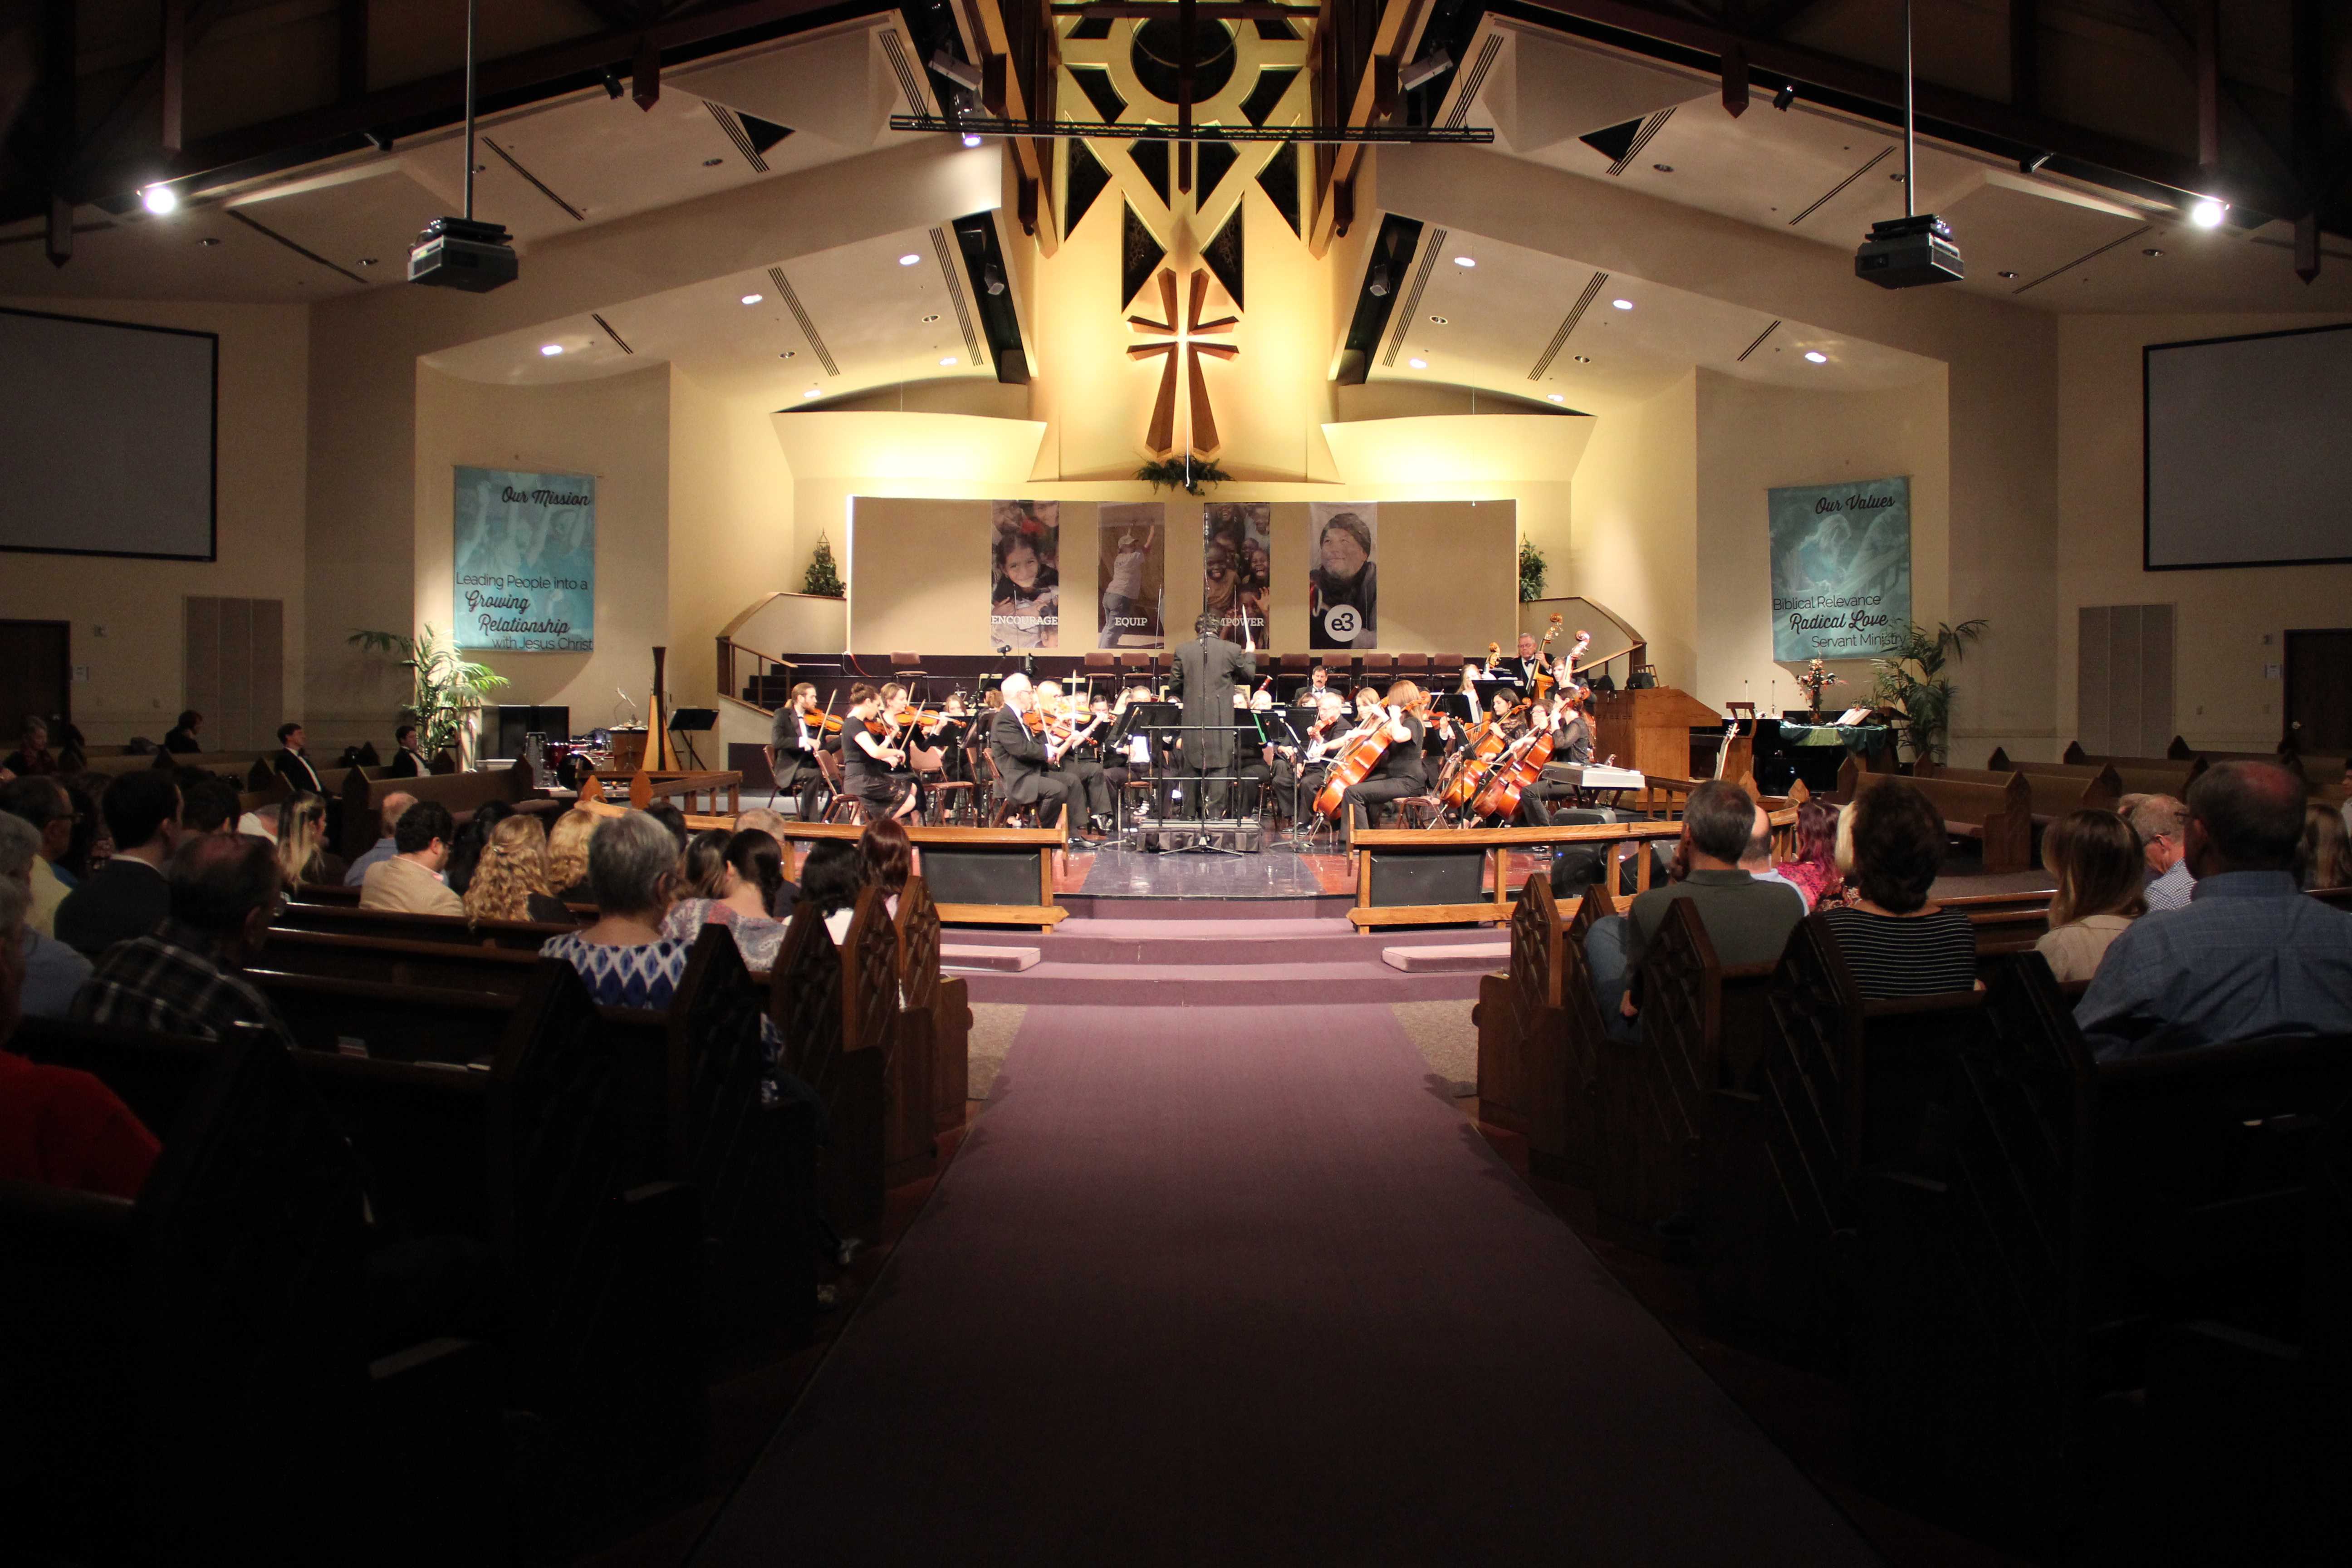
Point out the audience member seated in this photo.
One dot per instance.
(830, 878)
(129, 896)
(383, 848)
(890, 857)
(52, 972)
(410, 882)
(466, 849)
(673, 821)
(2157, 818)
(292, 762)
(302, 852)
(2325, 860)
(567, 856)
(184, 979)
(510, 881)
(73, 755)
(773, 823)
(1757, 861)
(88, 845)
(1890, 847)
(57, 1127)
(207, 804)
(730, 877)
(624, 957)
(1747, 921)
(32, 757)
(2095, 857)
(181, 738)
(409, 761)
(1813, 871)
(2250, 955)
(42, 805)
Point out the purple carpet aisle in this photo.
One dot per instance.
(1227, 1284)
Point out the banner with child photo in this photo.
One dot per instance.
(1131, 574)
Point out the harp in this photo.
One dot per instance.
(661, 750)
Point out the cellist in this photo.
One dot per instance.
(1399, 772)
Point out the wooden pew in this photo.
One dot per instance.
(871, 1023)
(1840, 1087)
(2053, 795)
(186, 1376)
(1699, 1019)
(2001, 816)
(362, 798)
(1539, 1033)
(393, 1023)
(805, 997)
(393, 925)
(2138, 775)
(434, 966)
(2065, 1210)
(938, 1004)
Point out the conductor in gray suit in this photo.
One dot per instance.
(1207, 669)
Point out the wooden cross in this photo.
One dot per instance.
(1182, 343)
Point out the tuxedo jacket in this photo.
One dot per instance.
(1020, 756)
(296, 770)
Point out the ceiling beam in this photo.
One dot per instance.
(1946, 112)
(2025, 55)
(1358, 103)
(159, 79)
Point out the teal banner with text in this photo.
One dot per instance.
(1840, 568)
(526, 561)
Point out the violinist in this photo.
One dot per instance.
(1080, 761)
(1399, 772)
(1254, 742)
(869, 761)
(794, 739)
(1024, 757)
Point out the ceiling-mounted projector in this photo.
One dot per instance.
(461, 253)
(1909, 252)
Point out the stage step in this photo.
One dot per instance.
(1245, 942)
(970, 956)
(1462, 958)
(1260, 984)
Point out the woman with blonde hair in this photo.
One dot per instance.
(2324, 858)
(2095, 857)
(302, 855)
(510, 879)
(567, 856)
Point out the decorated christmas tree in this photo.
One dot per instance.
(823, 579)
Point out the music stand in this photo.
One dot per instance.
(689, 722)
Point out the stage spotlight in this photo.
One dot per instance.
(1429, 67)
(991, 278)
(1785, 97)
(2208, 212)
(2032, 165)
(1376, 286)
(162, 199)
(971, 138)
(613, 88)
(964, 73)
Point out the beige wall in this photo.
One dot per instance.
(2221, 698)
(730, 524)
(616, 429)
(1753, 437)
(1633, 536)
(136, 684)
(920, 577)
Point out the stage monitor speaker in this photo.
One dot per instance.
(517, 721)
(1003, 875)
(1427, 877)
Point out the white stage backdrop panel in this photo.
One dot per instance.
(106, 437)
(2244, 441)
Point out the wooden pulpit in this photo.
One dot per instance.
(1649, 729)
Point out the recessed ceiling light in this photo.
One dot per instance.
(364, 260)
(551, 350)
(753, 298)
(712, 162)
(1584, 359)
(948, 360)
(208, 242)
(1817, 356)
(1623, 304)
(1464, 261)
(972, 139)
(929, 318)
(162, 199)
(1555, 397)
(2009, 275)
(909, 259)
(1437, 320)
(2206, 214)
(1418, 364)
(1663, 168)
(2152, 251)
(811, 392)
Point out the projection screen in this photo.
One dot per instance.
(2244, 440)
(107, 439)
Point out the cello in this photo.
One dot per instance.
(1353, 763)
(1519, 768)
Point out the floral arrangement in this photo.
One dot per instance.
(1816, 677)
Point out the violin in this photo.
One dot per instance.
(823, 723)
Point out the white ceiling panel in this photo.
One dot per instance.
(362, 219)
(166, 258)
(1561, 92)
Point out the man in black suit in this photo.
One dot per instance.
(1526, 665)
(408, 763)
(1208, 669)
(180, 740)
(1023, 761)
(292, 764)
(129, 896)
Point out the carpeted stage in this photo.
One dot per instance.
(1243, 1285)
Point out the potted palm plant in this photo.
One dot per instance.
(448, 690)
(1912, 686)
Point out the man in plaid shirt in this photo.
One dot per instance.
(184, 979)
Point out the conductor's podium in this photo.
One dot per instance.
(1649, 729)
